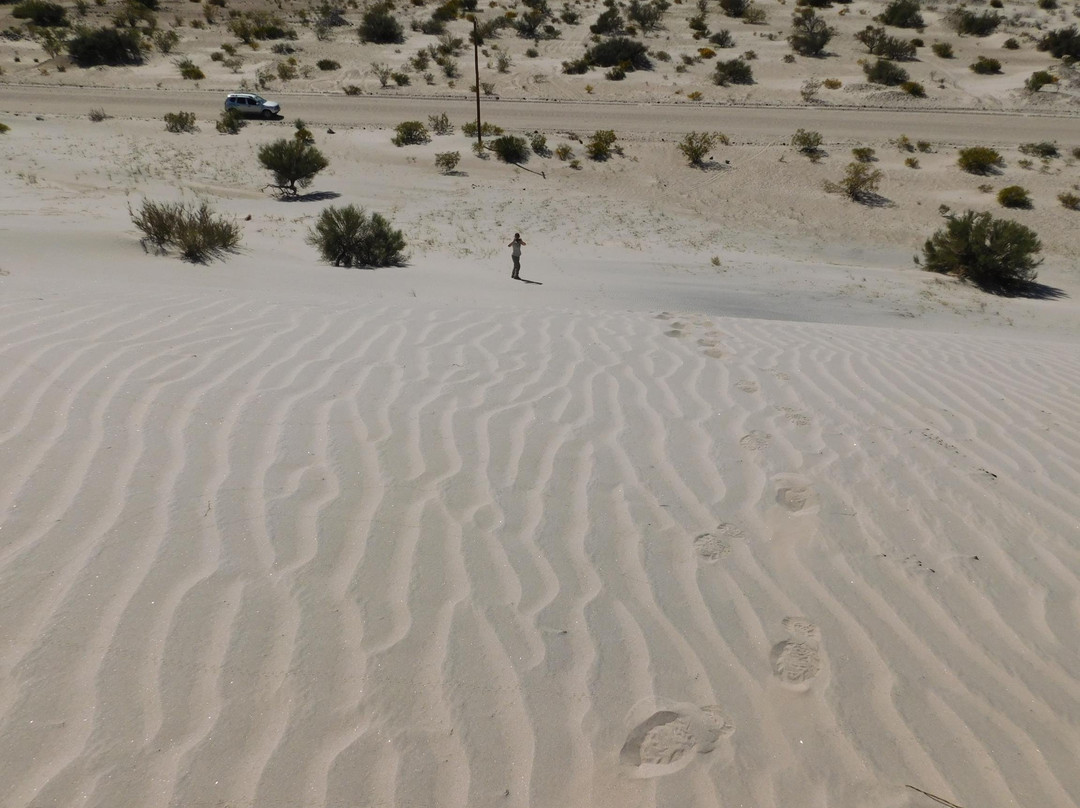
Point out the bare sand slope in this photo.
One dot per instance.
(256, 553)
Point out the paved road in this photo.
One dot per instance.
(752, 124)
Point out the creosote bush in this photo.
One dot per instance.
(979, 160)
(965, 21)
(1039, 79)
(195, 231)
(601, 145)
(864, 154)
(914, 89)
(105, 46)
(380, 27)
(1044, 150)
(859, 182)
(446, 162)
(885, 72)
(440, 124)
(1061, 43)
(230, 122)
(995, 254)
(293, 163)
(735, 71)
(1067, 199)
(1014, 196)
(510, 148)
(348, 236)
(41, 13)
(410, 133)
(902, 14)
(487, 129)
(179, 122)
(943, 50)
(985, 66)
(328, 64)
(809, 32)
(696, 146)
(807, 142)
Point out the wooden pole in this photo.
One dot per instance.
(476, 67)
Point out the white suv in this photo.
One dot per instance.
(251, 104)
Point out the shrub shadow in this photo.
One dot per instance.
(1031, 290)
(314, 196)
(872, 200)
(713, 165)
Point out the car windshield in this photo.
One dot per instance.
(259, 99)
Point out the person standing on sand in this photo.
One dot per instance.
(515, 253)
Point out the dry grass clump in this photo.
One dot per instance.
(196, 231)
(180, 122)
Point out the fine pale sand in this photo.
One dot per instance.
(734, 507)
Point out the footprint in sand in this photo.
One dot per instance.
(663, 742)
(755, 440)
(796, 417)
(714, 353)
(714, 545)
(795, 495)
(664, 315)
(797, 662)
(747, 386)
(675, 332)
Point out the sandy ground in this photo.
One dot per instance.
(732, 506)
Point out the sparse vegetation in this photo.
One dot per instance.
(189, 70)
(510, 148)
(1013, 196)
(878, 43)
(902, 14)
(859, 182)
(293, 164)
(4, 128)
(911, 162)
(995, 254)
(410, 133)
(348, 236)
(1065, 42)
(446, 162)
(487, 129)
(179, 122)
(563, 151)
(984, 65)
(1045, 150)
(696, 146)
(809, 143)
(914, 89)
(1012, 43)
(809, 32)
(943, 50)
(1067, 199)
(328, 64)
(964, 21)
(601, 145)
(380, 26)
(979, 160)
(1039, 79)
(538, 143)
(864, 154)
(885, 72)
(105, 46)
(619, 52)
(97, 115)
(440, 124)
(735, 71)
(230, 122)
(196, 231)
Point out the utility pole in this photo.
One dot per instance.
(476, 67)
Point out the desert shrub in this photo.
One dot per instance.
(165, 41)
(1013, 196)
(832, 84)
(576, 67)
(105, 46)
(1061, 43)
(925, 146)
(446, 162)
(328, 64)
(911, 162)
(440, 124)
(696, 146)
(648, 16)
(735, 71)
(734, 8)
(979, 160)
(994, 254)
(885, 72)
(1012, 43)
(293, 164)
(754, 15)
(97, 115)
(563, 151)
(902, 14)
(806, 141)
(1039, 79)
(400, 79)
(410, 133)
(864, 154)
(965, 21)
(538, 143)
(189, 70)
(230, 122)
(809, 33)
(41, 13)
(4, 128)
(601, 144)
(985, 66)
(859, 182)
(721, 39)
(1067, 199)
(617, 73)
(487, 129)
(609, 22)
(197, 232)
(619, 51)
(381, 27)
(878, 43)
(348, 236)
(1044, 150)
(943, 50)
(914, 89)
(180, 122)
(510, 148)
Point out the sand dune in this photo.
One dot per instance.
(257, 554)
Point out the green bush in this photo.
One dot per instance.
(328, 64)
(859, 182)
(944, 50)
(440, 124)
(510, 148)
(914, 89)
(348, 236)
(189, 70)
(1044, 150)
(878, 43)
(1012, 43)
(1067, 199)
(538, 143)
(721, 39)
(197, 232)
(864, 154)
(885, 72)
(809, 33)
(410, 133)
(1039, 79)
(230, 122)
(619, 51)
(293, 164)
(4, 128)
(487, 129)
(576, 67)
(979, 160)
(735, 71)
(734, 8)
(648, 16)
(178, 122)
(902, 14)
(41, 13)
(696, 146)
(807, 142)
(105, 46)
(965, 21)
(601, 144)
(994, 254)
(985, 66)
(609, 22)
(1013, 196)
(379, 26)
(563, 151)
(446, 162)
(1061, 43)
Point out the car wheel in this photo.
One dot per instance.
(267, 114)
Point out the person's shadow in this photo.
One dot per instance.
(526, 280)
